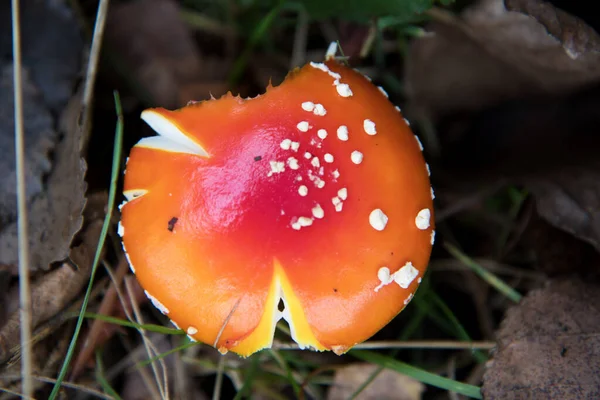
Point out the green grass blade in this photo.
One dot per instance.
(102, 379)
(166, 353)
(284, 365)
(259, 32)
(418, 374)
(117, 148)
(129, 324)
(461, 332)
(483, 273)
(249, 379)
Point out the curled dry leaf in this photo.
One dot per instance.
(531, 73)
(388, 384)
(54, 213)
(570, 200)
(51, 45)
(492, 53)
(54, 290)
(40, 138)
(548, 346)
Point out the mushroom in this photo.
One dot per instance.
(311, 203)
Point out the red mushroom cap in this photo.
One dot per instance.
(315, 193)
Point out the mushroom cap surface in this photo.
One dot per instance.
(315, 193)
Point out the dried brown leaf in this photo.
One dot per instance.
(388, 384)
(55, 215)
(548, 346)
(570, 200)
(51, 45)
(490, 54)
(53, 291)
(40, 140)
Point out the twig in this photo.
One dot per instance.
(300, 38)
(66, 384)
(412, 344)
(92, 68)
(219, 381)
(135, 357)
(151, 351)
(22, 221)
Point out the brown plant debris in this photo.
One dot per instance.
(548, 346)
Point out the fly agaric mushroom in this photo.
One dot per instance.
(315, 194)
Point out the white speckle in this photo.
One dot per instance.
(384, 277)
(303, 126)
(328, 158)
(419, 142)
(322, 133)
(295, 146)
(342, 133)
(285, 144)
(299, 178)
(422, 220)
(321, 171)
(336, 174)
(428, 169)
(276, 167)
(307, 155)
(432, 194)
(282, 212)
(337, 203)
(382, 90)
(131, 267)
(432, 237)
(408, 299)
(318, 212)
(335, 76)
(303, 190)
(120, 229)
(343, 193)
(343, 89)
(356, 157)
(191, 330)
(308, 106)
(320, 183)
(398, 109)
(320, 66)
(296, 225)
(378, 219)
(313, 142)
(157, 303)
(305, 221)
(407, 122)
(405, 275)
(293, 163)
(320, 110)
(315, 162)
(369, 127)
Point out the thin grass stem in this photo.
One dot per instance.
(483, 273)
(22, 220)
(105, 226)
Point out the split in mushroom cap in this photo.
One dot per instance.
(240, 203)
